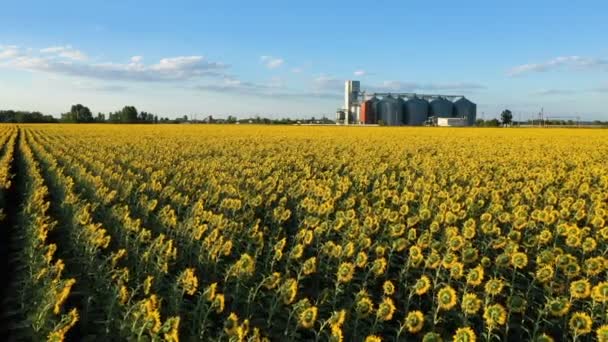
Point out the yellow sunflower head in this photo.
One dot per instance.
(580, 323)
(446, 298)
(465, 334)
(414, 321)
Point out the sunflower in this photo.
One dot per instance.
(475, 276)
(448, 260)
(364, 306)
(558, 306)
(218, 303)
(456, 270)
(432, 337)
(388, 288)
(308, 317)
(336, 334)
(188, 281)
(602, 333)
(545, 237)
(600, 292)
(386, 309)
(231, 324)
(433, 260)
(517, 304)
(337, 318)
(580, 323)
(400, 244)
(379, 266)
(464, 335)
(544, 274)
(589, 245)
(373, 338)
(486, 262)
(309, 266)
(470, 303)
(572, 270)
(580, 289)
(345, 272)
(446, 298)
(495, 315)
(272, 281)
(289, 290)
(494, 286)
(414, 321)
(422, 285)
(361, 259)
(544, 338)
(594, 266)
(416, 256)
(456, 243)
(470, 255)
(519, 260)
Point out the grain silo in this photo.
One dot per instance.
(441, 107)
(390, 112)
(368, 111)
(416, 111)
(463, 108)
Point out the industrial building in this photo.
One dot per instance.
(397, 109)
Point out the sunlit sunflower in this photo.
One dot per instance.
(580, 323)
(423, 284)
(544, 274)
(470, 303)
(414, 321)
(519, 260)
(599, 293)
(580, 289)
(386, 309)
(495, 315)
(308, 317)
(475, 276)
(388, 288)
(494, 286)
(446, 298)
(465, 334)
(602, 333)
(558, 306)
(432, 337)
(345, 272)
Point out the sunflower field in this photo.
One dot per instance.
(260, 233)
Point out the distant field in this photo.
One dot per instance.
(252, 233)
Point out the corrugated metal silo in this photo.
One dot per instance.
(467, 109)
(390, 112)
(368, 111)
(416, 111)
(441, 107)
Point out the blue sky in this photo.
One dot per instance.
(278, 58)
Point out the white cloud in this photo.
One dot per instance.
(67, 61)
(65, 52)
(136, 59)
(559, 62)
(400, 86)
(272, 62)
(10, 51)
(276, 88)
(359, 73)
(296, 70)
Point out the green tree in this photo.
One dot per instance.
(506, 117)
(78, 113)
(128, 114)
